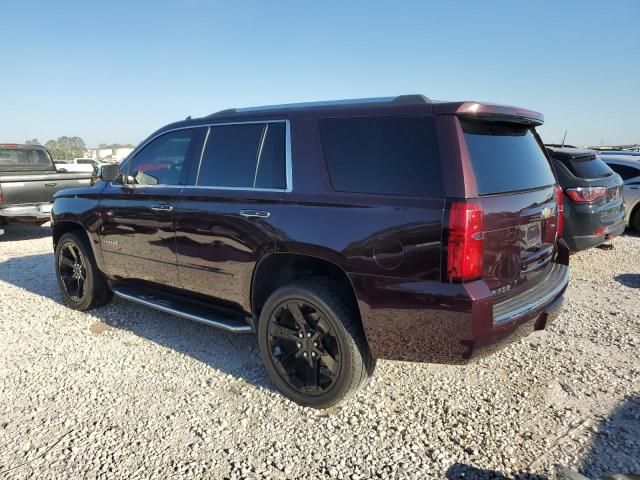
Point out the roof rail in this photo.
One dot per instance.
(400, 99)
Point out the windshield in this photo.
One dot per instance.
(23, 158)
(506, 157)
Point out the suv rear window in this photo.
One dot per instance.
(586, 167)
(23, 158)
(506, 157)
(383, 155)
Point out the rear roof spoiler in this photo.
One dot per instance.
(489, 111)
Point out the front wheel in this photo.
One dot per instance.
(82, 284)
(312, 343)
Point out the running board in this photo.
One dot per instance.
(196, 314)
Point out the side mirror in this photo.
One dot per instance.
(109, 172)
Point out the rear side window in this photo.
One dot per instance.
(626, 172)
(586, 167)
(23, 158)
(383, 155)
(248, 155)
(506, 157)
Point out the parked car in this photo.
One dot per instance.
(340, 232)
(593, 202)
(28, 180)
(628, 167)
(71, 166)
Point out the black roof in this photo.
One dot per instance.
(566, 153)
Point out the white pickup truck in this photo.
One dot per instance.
(77, 165)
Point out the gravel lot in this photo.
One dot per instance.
(126, 392)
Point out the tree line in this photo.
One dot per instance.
(68, 148)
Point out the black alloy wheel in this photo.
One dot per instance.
(72, 269)
(304, 347)
(312, 342)
(82, 284)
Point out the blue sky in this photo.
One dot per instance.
(114, 71)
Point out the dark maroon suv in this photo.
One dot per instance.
(339, 232)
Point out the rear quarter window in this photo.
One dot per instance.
(506, 157)
(382, 155)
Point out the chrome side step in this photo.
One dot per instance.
(164, 306)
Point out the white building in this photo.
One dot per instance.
(108, 154)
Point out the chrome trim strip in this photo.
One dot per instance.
(288, 161)
(260, 147)
(204, 145)
(229, 327)
(524, 309)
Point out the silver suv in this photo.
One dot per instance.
(628, 167)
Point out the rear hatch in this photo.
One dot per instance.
(518, 200)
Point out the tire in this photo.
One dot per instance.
(74, 256)
(332, 342)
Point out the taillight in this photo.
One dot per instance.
(1, 198)
(466, 242)
(585, 194)
(560, 218)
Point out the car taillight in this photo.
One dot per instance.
(1, 198)
(466, 242)
(585, 194)
(560, 219)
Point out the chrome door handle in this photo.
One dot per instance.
(255, 213)
(161, 208)
(50, 184)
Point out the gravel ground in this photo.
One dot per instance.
(126, 392)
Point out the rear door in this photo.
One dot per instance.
(516, 187)
(226, 218)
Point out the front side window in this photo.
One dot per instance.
(250, 155)
(161, 162)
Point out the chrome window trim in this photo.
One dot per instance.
(288, 160)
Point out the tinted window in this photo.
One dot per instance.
(271, 159)
(244, 156)
(23, 158)
(586, 167)
(387, 155)
(506, 157)
(162, 160)
(625, 171)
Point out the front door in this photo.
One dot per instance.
(227, 218)
(138, 212)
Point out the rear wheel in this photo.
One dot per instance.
(83, 286)
(312, 343)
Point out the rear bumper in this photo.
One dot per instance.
(582, 220)
(578, 243)
(450, 323)
(27, 212)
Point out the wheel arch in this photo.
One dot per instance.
(60, 228)
(280, 268)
